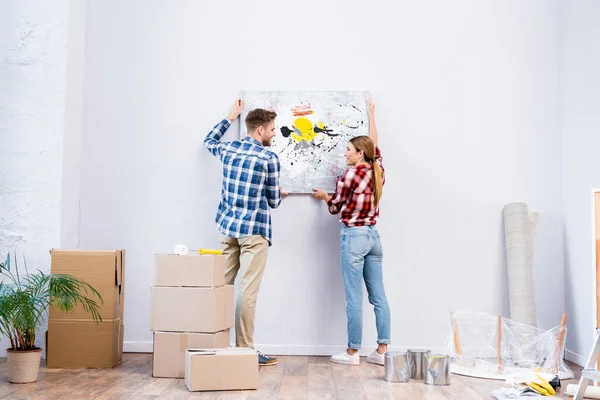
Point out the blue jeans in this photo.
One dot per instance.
(361, 257)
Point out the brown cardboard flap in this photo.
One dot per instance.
(123, 265)
(72, 261)
(118, 269)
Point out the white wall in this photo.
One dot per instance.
(33, 44)
(467, 106)
(74, 100)
(580, 123)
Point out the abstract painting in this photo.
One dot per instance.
(311, 132)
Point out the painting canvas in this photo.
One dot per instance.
(312, 129)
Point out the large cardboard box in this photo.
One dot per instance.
(83, 343)
(169, 350)
(221, 369)
(192, 309)
(102, 269)
(189, 270)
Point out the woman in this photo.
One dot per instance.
(357, 198)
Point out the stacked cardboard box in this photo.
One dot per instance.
(74, 339)
(191, 307)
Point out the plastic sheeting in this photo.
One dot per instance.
(494, 348)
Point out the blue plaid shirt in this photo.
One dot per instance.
(250, 184)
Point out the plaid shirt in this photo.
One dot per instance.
(250, 184)
(354, 196)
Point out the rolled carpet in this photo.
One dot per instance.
(519, 231)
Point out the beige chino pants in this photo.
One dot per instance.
(247, 258)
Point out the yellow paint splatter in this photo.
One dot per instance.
(306, 128)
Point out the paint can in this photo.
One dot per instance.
(438, 369)
(418, 364)
(396, 367)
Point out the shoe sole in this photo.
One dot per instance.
(344, 363)
(375, 362)
(268, 364)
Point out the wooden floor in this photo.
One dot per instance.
(293, 378)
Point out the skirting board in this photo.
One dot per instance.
(299, 350)
(575, 358)
(305, 350)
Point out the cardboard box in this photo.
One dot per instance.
(122, 307)
(168, 360)
(83, 343)
(189, 270)
(187, 309)
(102, 269)
(121, 338)
(221, 369)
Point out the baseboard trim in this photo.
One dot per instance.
(284, 350)
(575, 358)
(325, 350)
(138, 347)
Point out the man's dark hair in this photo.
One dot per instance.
(259, 117)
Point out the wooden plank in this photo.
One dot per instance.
(133, 380)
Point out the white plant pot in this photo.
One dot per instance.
(23, 366)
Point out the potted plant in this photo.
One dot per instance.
(24, 302)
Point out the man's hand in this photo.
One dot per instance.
(236, 110)
(320, 194)
(283, 192)
(371, 106)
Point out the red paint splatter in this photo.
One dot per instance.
(302, 110)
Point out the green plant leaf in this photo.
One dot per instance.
(6, 264)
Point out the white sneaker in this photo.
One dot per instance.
(345, 358)
(376, 358)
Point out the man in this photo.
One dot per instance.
(250, 187)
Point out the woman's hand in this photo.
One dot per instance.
(371, 106)
(372, 128)
(321, 194)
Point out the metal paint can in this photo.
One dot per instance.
(438, 369)
(396, 367)
(418, 364)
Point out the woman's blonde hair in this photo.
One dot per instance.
(367, 146)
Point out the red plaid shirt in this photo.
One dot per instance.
(354, 197)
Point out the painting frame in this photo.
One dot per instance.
(312, 129)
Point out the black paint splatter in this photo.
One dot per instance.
(285, 131)
(326, 131)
